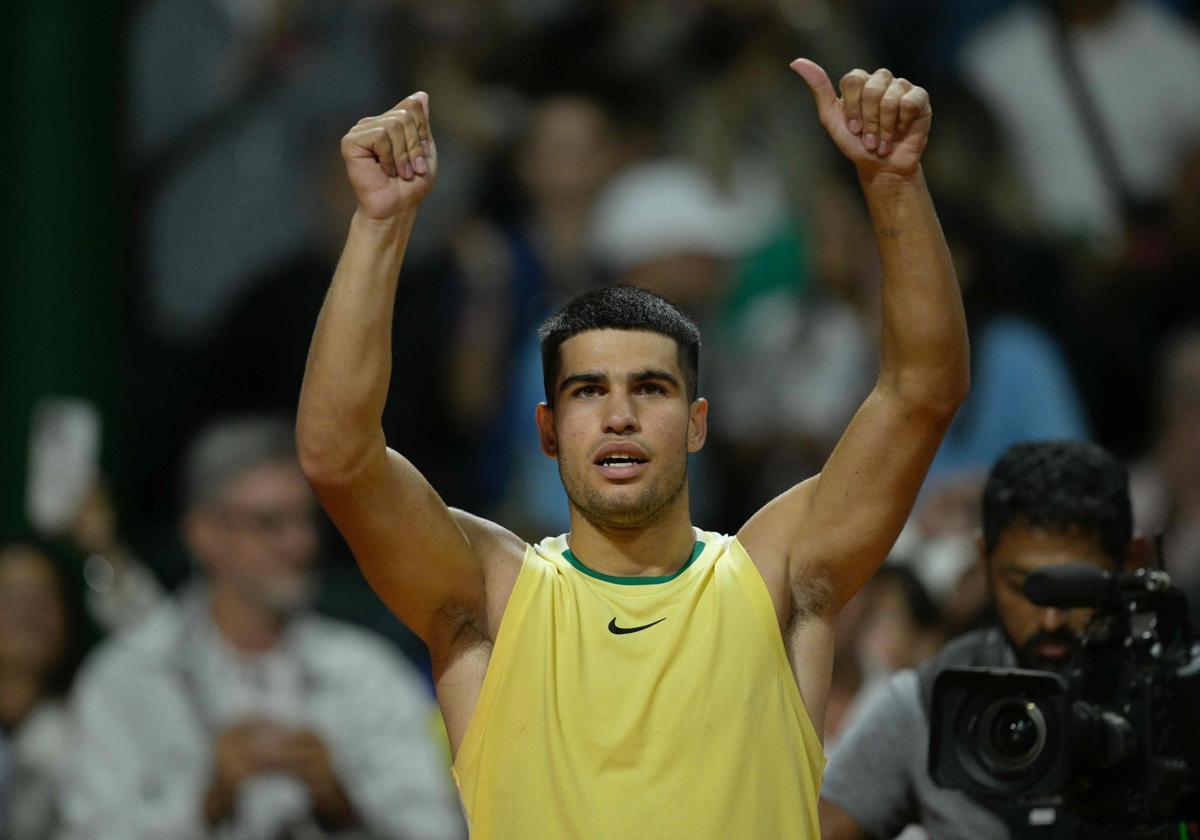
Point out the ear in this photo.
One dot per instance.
(697, 424)
(201, 532)
(981, 557)
(546, 434)
(1141, 553)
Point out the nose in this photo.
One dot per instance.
(1053, 618)
(298, 538)
(620, 415)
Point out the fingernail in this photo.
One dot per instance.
(855, 126)
(421, 166)
(870, 141)
(407, 171)
(425, 147)
(883, 147)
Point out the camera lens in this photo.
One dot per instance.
(1012, 735)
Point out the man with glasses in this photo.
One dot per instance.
(235, 711)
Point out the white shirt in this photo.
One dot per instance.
(1140, 65)
(147, 706)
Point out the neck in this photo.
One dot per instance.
(654, 550)
(19, 692)
(245, 626)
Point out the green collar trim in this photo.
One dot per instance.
(634, 580)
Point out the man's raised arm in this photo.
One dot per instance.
(833, 531)
(409, 547)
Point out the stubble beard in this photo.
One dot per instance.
(627, 512)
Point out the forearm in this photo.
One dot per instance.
(924, 357)
(349, 362)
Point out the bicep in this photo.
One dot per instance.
(410, 549)
(839, 525)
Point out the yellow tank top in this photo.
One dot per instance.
(642, 708)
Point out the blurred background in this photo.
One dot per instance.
(174, 204)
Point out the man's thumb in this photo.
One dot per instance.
(818, 82)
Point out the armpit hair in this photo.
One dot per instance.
(813, 595)
(463, 626)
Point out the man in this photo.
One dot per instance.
(234, 711)
(636, 677)
(1043, 504)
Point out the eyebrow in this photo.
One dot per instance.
(654, 373)
(588, 378)
(594, 378)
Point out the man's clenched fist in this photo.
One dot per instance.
(391, 158)
(880, 122)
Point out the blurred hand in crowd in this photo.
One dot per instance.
(256, 746)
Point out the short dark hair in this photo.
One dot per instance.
(621, 308)
(1060, 486)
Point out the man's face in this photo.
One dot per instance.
(33, 618)
(259, 537)
(1043, 637)
(622, 427)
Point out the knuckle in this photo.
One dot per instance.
(873, 93)
(854, 79)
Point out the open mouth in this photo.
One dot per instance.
(620, 460)
(621, 465)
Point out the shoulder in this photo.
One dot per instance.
(351, 654)
(1020, 24)
(1016, 336)
(44, 737)
(494, 545)
(985, 647)
(143, 648)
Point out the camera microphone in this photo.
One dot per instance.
(1069, 585)
(1084, 585)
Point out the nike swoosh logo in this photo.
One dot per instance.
(621, 631)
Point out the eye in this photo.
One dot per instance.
(586, 391)
(651, 388)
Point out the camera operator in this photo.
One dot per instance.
(1044, 504)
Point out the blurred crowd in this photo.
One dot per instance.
(663, 143)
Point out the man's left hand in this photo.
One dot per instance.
(303, 754)
(881, 123)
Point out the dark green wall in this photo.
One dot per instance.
(63, 220)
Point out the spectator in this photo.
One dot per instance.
(512, 274)
(1124, 61)
(902, 625)
(235, 712)
(1044, 504)
(1166, 484)
(39, 633)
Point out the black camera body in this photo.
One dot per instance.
(1114, 741)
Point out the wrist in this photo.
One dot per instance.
(386, 229)
(218, 802)
(883, 181)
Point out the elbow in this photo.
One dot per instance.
(937, 394)
(331, 456)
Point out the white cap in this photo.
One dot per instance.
(670, 207)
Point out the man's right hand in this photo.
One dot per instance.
(391, 159)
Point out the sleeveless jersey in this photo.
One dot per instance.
(640, 708)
